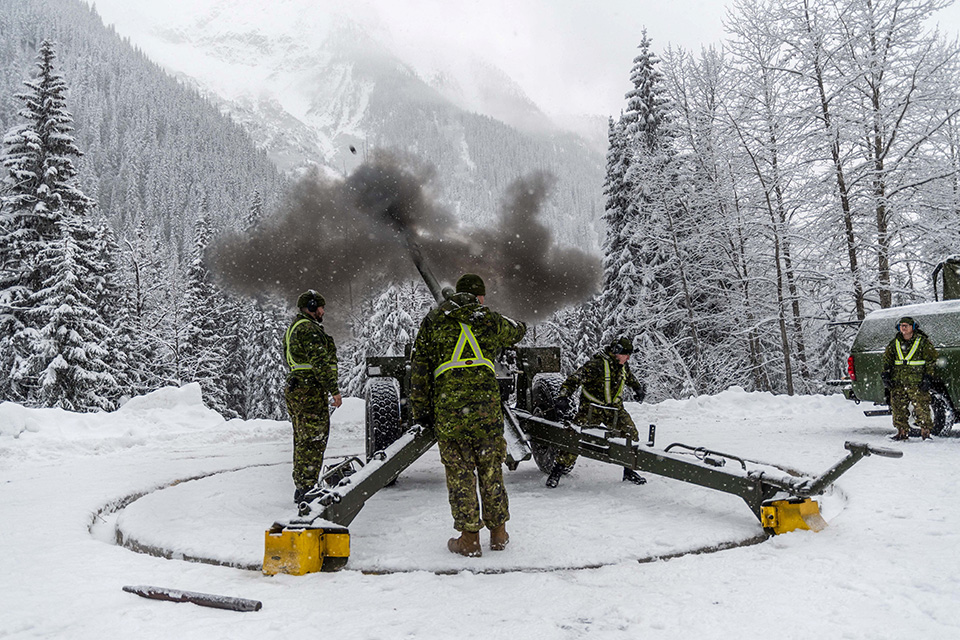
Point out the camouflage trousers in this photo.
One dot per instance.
(588, 415)
(311, 428)
(466, 463)
(900, 399)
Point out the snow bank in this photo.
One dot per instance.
(166, 414)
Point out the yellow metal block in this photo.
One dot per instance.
(782, 516)
(336, 545)
(295, 552)
(301, 551)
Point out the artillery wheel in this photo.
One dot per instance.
(382, 417)
(545, 389)
(943, 413)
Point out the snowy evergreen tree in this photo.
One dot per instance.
(255, 370)
(207, 329)
(54, 335)
(152, 365)
(385, 325)
(69, 358)
(393, 327)
(647, 264)
(112, 301)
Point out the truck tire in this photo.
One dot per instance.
(382, 416)
(545, 389)
(943, 413)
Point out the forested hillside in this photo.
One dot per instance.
(160, 170)
(153, 148)
(803, 173)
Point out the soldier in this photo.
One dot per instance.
(312, 358)
(455, 389)
(602, 379)
(908, 368)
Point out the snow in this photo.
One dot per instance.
(165, 470)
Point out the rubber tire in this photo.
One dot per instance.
(545, 389)
(943, 413)
(382, 414)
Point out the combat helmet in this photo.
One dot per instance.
(471, 283)
(311, 300)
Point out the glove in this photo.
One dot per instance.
(887, 378)
(640, 392)
(926, 382)
(562, 405)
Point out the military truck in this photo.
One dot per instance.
(940, 320)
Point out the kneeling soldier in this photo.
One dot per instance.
(602, 379)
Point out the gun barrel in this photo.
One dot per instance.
(432, 283)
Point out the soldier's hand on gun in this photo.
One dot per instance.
(425, 421)
(562, 405)
(926, 382)
(640, 392)
(337, 401)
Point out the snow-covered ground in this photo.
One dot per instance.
(887, 566)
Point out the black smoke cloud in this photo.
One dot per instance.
(344, 238)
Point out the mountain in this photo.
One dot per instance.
(308, 82)
(155, 151)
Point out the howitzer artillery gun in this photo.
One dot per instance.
(318, 538)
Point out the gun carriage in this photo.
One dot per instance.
(317, 539)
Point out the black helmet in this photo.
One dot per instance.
(311, 300)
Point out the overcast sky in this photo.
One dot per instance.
(570, 56)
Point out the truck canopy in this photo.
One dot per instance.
(939, 320)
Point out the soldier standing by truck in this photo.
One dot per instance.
(908, 369)
(602, 378)
(454, 389)
(312, 357)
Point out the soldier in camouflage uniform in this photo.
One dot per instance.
(602, 379)
(454, 388)
(909, 363)
(312, 357)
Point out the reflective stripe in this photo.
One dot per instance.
(457, 361)
(908, 360)
(606, 386)
(293, 364)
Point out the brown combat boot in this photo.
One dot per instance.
(468, 544)
(902, 435)
(499, 538)
(925, 434)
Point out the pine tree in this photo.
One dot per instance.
(254, 374)
(392, 326)
(69, 358)
(207, 328)
(112, 300)
(54, 337)
(645, 248)
(153, 365)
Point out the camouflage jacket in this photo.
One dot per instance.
(311, 354)
(460, 398)
(592, 376)
(910, 374)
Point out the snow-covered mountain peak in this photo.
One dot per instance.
(304, 56)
